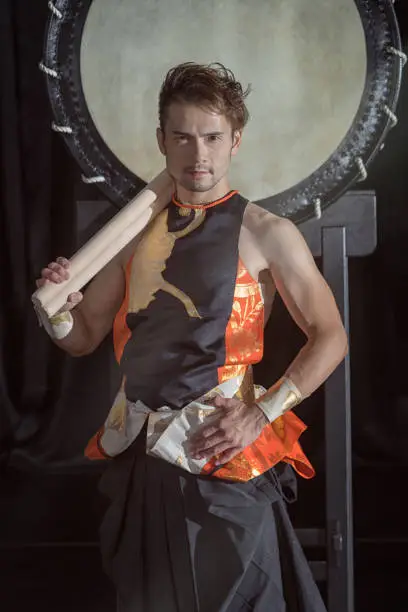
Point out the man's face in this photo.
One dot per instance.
(198, 145)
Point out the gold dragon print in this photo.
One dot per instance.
(149, 263)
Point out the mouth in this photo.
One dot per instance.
(198, 173)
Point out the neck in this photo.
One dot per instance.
(184, 196)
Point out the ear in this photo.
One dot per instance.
(236, 141)
(160, 140)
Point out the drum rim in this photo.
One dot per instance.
(331, 180)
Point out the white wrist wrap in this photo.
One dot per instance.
(58, 326)
(283, 396)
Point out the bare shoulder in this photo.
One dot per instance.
(261, 221)
(111, 280)
(275, 235)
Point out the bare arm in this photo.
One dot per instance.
(282, 250)
(309, 301)
(94, 312)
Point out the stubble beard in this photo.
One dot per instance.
(196, 187)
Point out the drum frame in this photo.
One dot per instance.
(344, 168)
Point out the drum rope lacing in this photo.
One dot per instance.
(49, 71)
(317, 207)
(317, 203)
(362, 168)
(89, 180)
(391, 115)
(63, 129)
(403, 56)
(54, 10)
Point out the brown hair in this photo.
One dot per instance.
(211, 86)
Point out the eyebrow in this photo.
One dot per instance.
(178, 133)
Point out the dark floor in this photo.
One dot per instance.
(49, 557)
(54, 580)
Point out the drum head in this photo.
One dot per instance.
(321, 73)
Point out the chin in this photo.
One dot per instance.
(196, 186)
(200, 188)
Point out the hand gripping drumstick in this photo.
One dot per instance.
(106, 244)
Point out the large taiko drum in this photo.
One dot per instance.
(325, 76)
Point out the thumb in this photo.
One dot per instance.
(219, 401)
(73, 300)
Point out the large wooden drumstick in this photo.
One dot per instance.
(106, 244)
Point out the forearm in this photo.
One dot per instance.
(314, 363)
(78, 341)
(312, 366)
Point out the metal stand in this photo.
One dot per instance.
(347, 229)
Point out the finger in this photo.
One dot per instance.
(227, 455)
(60, 270)
(63, 261)
(203, 445)
(228, 402)
(75, 298)
(50, 275)
(217, 449)
(219, 401)
(203, 433)
(205, 436)
(72, 301)
(225, 403)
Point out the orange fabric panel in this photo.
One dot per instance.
(93, 450)
(245, 329)
(244, 346)
(121, 332)
(277, 442)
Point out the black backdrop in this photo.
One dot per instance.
(51, 404)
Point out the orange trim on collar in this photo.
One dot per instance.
(204, 206)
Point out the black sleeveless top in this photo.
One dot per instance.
(176, 343)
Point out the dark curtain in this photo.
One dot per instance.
(49, 403)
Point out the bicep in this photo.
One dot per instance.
(102, 300)
(299, 282)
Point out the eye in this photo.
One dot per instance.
(214, 137)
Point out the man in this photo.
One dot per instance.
(199, 458)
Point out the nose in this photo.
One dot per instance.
(199, 150)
